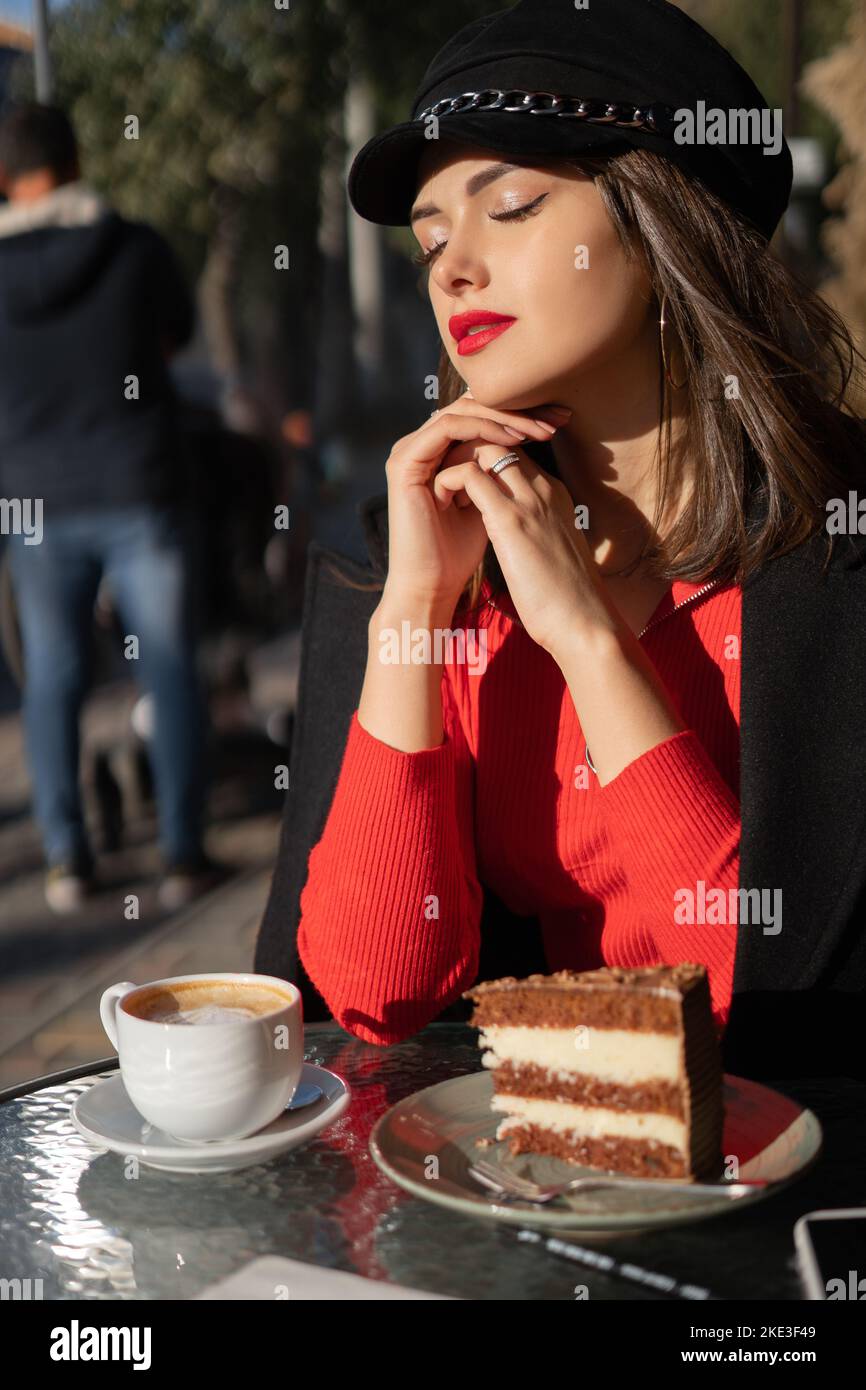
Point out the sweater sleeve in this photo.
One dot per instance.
(676, 824)
(390, 912)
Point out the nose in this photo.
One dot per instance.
(459, 266)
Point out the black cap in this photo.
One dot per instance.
(550, 79)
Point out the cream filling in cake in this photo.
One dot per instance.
(611, 1054)
(593, 1122)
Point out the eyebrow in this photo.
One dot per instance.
(473, 186)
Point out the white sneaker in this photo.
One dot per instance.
(182, 883)
(67, 888)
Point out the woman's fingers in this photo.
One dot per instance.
(534, 422)
(493, 502)
(458, 479)
(553, 416)
(427, 446)
(450, 483)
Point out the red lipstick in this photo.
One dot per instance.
(460, 324)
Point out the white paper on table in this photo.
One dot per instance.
(275, 1279)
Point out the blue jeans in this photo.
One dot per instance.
(145, 553)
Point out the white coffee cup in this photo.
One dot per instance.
(214, 1080)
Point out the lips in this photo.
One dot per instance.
(460, 324)
(487, 325)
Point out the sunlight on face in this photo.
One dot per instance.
(534, 243)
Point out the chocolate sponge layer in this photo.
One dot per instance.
(581, 1088)
(636, 1157)
(647, 1000)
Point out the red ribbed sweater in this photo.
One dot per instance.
(389, 927)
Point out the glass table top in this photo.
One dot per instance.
(90, 1226)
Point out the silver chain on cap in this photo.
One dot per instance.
(656, 118)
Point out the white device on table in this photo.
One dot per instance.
(831, 1251)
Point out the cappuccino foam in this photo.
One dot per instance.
(201, 1002)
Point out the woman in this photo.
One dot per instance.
(650, 422)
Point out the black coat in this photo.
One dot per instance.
(81, 308)
(799, 1004)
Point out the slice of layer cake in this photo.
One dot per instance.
(613, 1069)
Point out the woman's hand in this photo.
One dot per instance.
(528, 515)
(433, 548)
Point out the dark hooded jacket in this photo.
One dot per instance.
(89, 302)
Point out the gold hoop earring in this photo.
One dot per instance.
(677, 385)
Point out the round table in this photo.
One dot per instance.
(70, 1217)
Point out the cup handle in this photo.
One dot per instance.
(108, 1005)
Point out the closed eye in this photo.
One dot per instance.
(512, 215)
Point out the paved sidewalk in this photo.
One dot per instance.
(52, 969)
(217, 933)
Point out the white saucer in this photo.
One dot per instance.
(106, 1116)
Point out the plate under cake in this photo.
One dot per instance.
(615, 1069)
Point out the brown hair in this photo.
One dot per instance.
(780, 446)
(36, 136)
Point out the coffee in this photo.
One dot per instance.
(229, 1069)
(199, 1002)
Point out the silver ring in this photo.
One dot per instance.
(504, 462)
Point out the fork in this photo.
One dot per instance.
(510, 1185)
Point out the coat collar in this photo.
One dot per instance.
(72, 204)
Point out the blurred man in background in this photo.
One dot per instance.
(91, 305)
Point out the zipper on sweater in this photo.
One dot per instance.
(690, 598)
